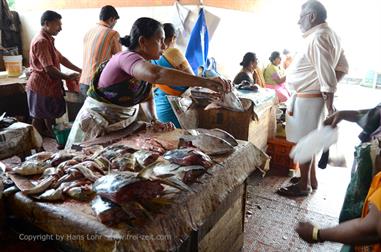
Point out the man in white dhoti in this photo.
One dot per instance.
(312, 78)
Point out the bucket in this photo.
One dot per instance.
(13, 65)
(61, 132)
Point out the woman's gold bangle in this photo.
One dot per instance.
(315, 232)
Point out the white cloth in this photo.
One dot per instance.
(313, 143)
(308, 113)
(312, 72)
(98, 118)
(313, 68)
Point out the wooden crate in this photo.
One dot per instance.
(241, 124)
(236, 123)
(279, 150)
(264, 128)
(222, 230)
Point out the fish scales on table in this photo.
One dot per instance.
(209, 144)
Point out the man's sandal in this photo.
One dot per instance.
(295, 180)
(293, 191)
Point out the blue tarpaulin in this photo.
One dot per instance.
(198, 45)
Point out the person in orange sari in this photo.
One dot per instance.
(364, 232)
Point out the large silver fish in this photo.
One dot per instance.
(40, 156)
(217, 133)
(207, 143)
(31, 168)
(51, 195)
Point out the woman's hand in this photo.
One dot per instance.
(304, 230)
(157, 126)
(220, 85)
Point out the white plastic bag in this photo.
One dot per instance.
(185, 113)
(97, 118)
(313, 143)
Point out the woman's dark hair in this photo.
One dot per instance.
(169, 30)
(107, 12)
(145, 27)
(124, 40)
(273, 56)
(48, 16)
(247, 59)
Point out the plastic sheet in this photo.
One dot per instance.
(313, 143)
(97, 118)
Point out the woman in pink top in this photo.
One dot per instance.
(124, 82)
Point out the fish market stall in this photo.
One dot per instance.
(188, 193)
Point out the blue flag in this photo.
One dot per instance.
(197, 49)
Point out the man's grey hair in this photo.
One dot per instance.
(317, 8)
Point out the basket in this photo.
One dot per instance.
(61, 133)
(279, 150)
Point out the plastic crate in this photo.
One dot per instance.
(62, 133)
(279, 150)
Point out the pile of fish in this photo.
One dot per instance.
(124, 182)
